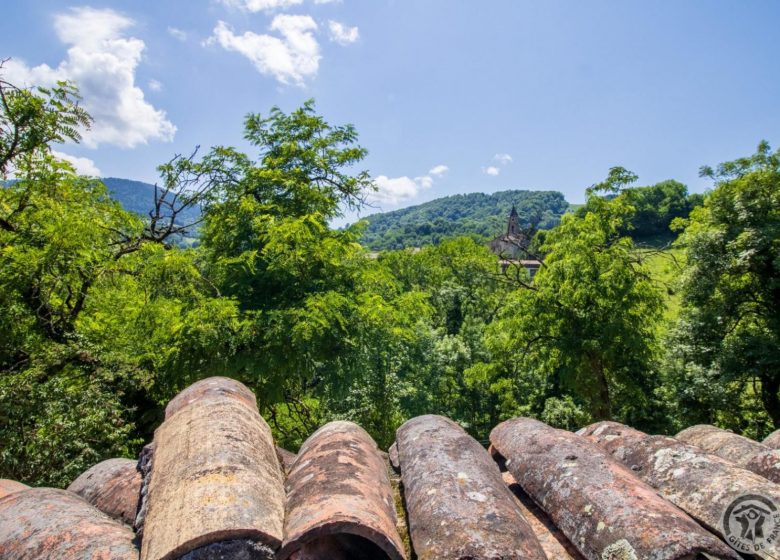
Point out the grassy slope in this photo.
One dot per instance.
(665, 266)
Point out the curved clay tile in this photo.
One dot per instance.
(767, 464)
(10, 486)
(215, 485)
(43, 523)
(553, 541)
(773, 440)
(742, 451)
(286, 458)
(211, 388)
(606, 431)
(392, 457)
(727, 445)
(457, 504)
(112, 486)
(339, 499)
(601, 507)
(699, 483)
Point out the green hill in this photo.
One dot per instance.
(477, 214)
(138, 197)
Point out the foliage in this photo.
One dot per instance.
(656, 207)
(86, 289)
(478, 215)
(53, 428)
(105, 314)
(726, 343)
(30, 120)
(586, 329)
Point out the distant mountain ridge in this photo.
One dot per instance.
(478, 215)
(138, 197)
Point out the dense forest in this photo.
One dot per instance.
(103, 317)
(477, 215)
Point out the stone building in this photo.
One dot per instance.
(512, 247)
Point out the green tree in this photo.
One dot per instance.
(729, 333)
(325, 331)
(30, 120)
(462, 282)
(656, 207)
(586, 327)
(90, 296)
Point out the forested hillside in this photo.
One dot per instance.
(103, 319)
(138, 197)
(477, 215)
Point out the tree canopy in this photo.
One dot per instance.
(727, 339)
(105, 314)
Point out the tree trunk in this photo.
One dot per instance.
(602, 408)
(770, 385)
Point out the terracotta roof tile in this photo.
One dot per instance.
(212, 388)
(457, 503)
(773, 440)
(215, 477)
(339, 499)
(727, 445)
(286, 458)
(767, 464)
(112, 486)
(553, 541)
(44, 523)
(701, 484)
(742, 451)
(211, 486)
(598, 503)
(10, 486)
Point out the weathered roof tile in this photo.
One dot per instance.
(45, 523)
(603, 509)
(10, 486)
(701, 484)
(553, 541)
(215, 478)
(773, 440)
(212, 388)
(339, 499)
(457, 503)
(742, 451)
(113, 486)
(286, 458)
(723, 443)
(211, 486)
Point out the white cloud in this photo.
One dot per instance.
(82, 165)
(426, 181)
(155, 85)
(439, 170)
(393, 190)
(261, 5)
(290, 59)
(177, 33)
(503, 159)
(491, 170)
(341, 34)
(102, 63)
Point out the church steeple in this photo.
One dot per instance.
(513, 227)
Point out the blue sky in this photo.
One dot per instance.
(449, 96)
